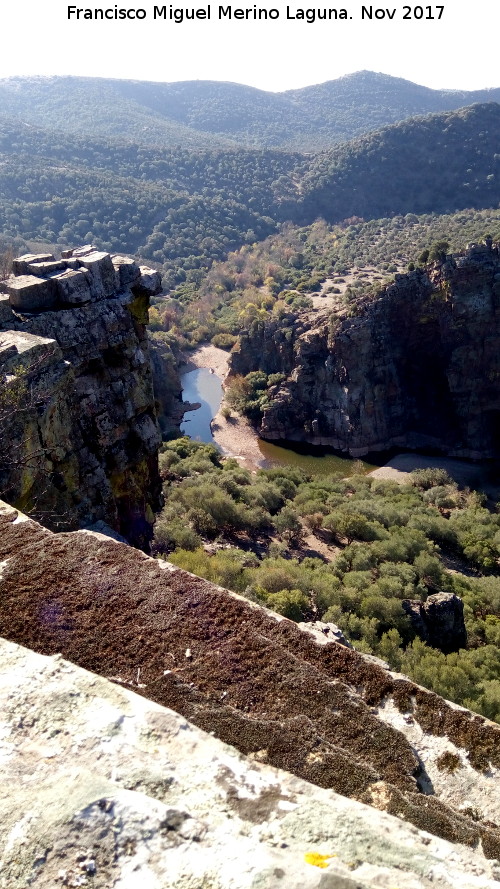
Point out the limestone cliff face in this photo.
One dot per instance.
(417, 365)
(78, 422)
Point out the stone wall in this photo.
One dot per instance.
(77, 421)
(415, 365)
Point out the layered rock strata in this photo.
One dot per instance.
(78, 424)
(252, 678)
(415, 365)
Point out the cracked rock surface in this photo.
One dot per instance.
(105, 789)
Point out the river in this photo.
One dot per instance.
(204, 387)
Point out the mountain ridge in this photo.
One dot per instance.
(200, 113)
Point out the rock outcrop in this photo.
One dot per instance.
(415, 365)
(439, 621)
(254, 680)
(78, 424)
(107, 789)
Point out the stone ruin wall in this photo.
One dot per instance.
(78, 429)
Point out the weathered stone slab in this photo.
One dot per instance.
(44, 268)
(127, 270)
(73, 287)
(150, 281)
(17, 347)
(30, 294)
(20, 265)
(103, 274)
(6, 316)
(106, 788)
(84, 250)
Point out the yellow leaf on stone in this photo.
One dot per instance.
(317, 859)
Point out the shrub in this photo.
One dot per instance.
(293, 604)
(224, 340)
(430, 477)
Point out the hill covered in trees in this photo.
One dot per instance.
(437, 164)
(210, 114)
(183, 208)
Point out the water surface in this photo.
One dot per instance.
(205, 388)
(314, 461)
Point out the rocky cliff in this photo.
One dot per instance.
(414, 365)
(253, 679)
(77, 415)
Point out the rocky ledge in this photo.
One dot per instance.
(77, 415)
(107, 789)
(414, 365)
(283, 698)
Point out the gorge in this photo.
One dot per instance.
(411, 365)
(369, 753)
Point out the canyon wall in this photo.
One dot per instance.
(414, 365)
(77, 415)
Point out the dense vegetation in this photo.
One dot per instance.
(205, 114)
(183, 174)
(439, 164)
(382, 543)
(183, 209)
(179, 209)
(276, 277)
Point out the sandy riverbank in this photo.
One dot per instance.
(398, 469)
(237, 438)
(209, 356)
(234, 436)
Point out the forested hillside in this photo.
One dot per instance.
(204, 114)
(183, 209)
(283, 272)
(440, 163)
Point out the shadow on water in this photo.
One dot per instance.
(203, 387)
(313, 460)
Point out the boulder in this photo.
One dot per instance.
(150, 282)
(102, 272)
(439, 621)
(324, 632)
(127, 271)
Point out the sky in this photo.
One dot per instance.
(456, 51)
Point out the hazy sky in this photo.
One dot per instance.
(458, 51)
